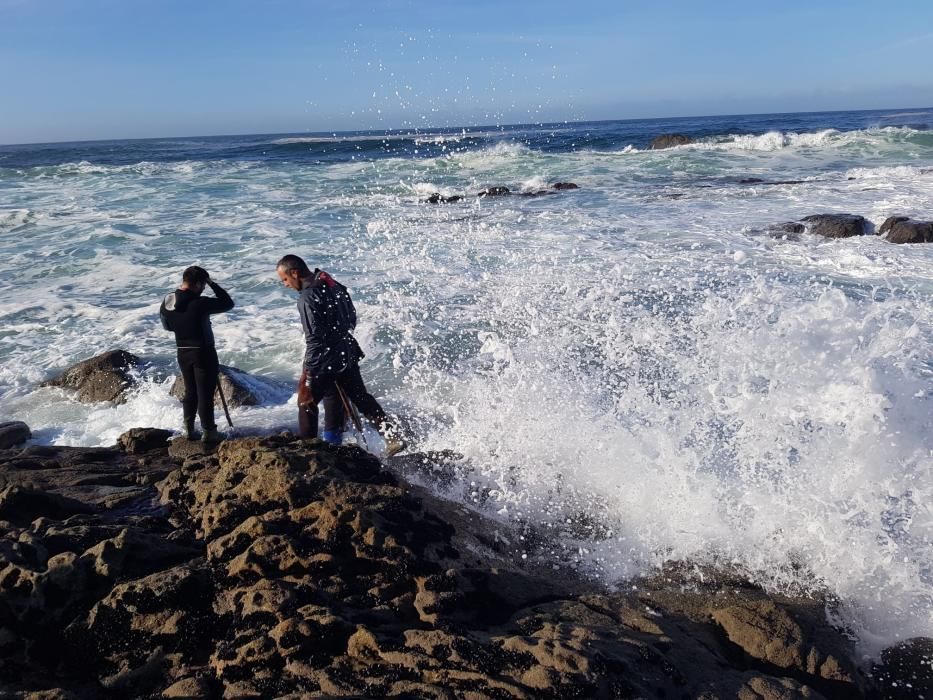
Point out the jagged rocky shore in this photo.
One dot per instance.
(280, 567)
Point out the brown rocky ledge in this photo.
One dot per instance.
(279, 567)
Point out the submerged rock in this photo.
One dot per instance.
(240, 388)
(668, 141)
(13, 433)
(902, 229)
(792, 227)
(759, 181)
(105, 377)
(498, 191)
(438, 198)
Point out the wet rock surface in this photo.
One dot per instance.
(105, 377)
(142, 440)
(13, 433)
(906, 670)
(902, 229)
(281, 567)
(837, 225)
(501, 191)
(826, 225)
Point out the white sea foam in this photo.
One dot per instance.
(490, 157)
(12, 219)
(890, 173)
(144, 168)
(772, 141)
(535, 183)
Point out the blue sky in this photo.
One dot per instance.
(84, 69)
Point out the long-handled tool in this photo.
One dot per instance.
(350, 410)
(223, 401)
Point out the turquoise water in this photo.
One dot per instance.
(640, 350)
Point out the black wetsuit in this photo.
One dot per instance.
(332, 356)
(188, 315)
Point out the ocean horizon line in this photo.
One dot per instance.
(417, 131)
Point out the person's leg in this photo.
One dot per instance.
(352, 383)
(189, 402)
(307, 420)
(205, 374)
(325, 391)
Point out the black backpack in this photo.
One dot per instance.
(344, 309)
(346, 312)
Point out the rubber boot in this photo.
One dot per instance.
(190, 432)
(334, 437)
(211, 435)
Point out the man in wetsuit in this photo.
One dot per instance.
(331, 357)
(186, 312)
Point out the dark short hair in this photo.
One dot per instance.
(293, 262)
(195, 275)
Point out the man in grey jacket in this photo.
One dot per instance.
(331, 356)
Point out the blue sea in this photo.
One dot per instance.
(638, 367)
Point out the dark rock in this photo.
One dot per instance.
(240, 388)
(139, 440)
(500, 191)
(788, 227)
(21, 505)
(902, 229)
(105, 377)
(836, 225)
(890, 222)
(438, 198)
(906, 670)
(13, 433)
(163, 610)
(759, 181)
(95, 476)
(669, 140)
(494, 192)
